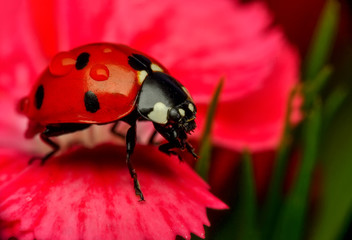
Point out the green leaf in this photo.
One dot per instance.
(335, 207)
(333, 103)
(243, 221)
(247, 210)
(323, 38)
(312, 89)
(292, 218)
(203, 163)
(274, 199)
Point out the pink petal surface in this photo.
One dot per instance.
(256, 120)
(88, 194)
(198, 45)
(21, 61)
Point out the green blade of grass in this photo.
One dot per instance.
(322, 40)
(202, 166)
(333, 104)
(243, 221)
(314, 87)
(247, 212)
(274, 199)
(335, 206)
(292, 218)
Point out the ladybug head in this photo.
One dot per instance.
(189, 126)
(184, 115)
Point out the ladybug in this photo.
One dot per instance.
(105, 83)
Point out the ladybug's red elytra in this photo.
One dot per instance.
(106, 83)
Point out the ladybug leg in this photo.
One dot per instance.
(190, 149)
(171, 135)
(114, 131)
(56, 130)
(185, 143)
(118, 134)
(130, 144)
(165, 148)
(52, 144)
(176, 139)
(152, 138)
(45, 138)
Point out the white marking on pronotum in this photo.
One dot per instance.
(141, 75)
(191, 107)
(156, 68)
(159, 113)
(182, 112)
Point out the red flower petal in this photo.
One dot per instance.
(198, 44)
(256, 120)
(88, 194)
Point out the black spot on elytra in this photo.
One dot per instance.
(91, 102)
(39, 96)
(139, 62)
(82, 60)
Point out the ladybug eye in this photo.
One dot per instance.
(62, 64)
(99, 72)
(174, 114)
